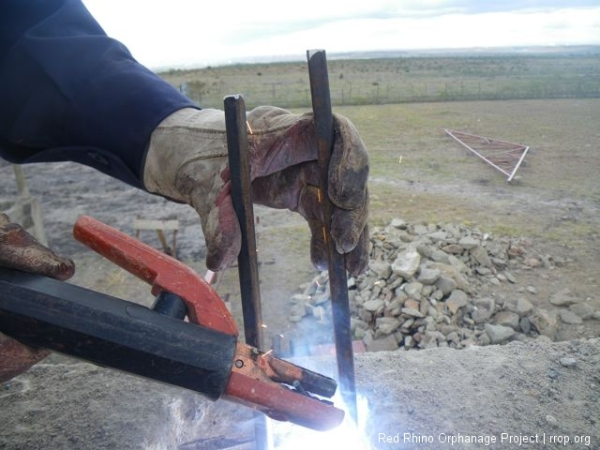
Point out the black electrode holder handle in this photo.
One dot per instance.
(43, 312)
(171, 305)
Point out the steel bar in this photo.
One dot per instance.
(338, 283)
(241, 195)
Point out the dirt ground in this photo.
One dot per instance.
(521, 388)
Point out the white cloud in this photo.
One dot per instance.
(186, 32)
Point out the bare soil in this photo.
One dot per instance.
(418, 174)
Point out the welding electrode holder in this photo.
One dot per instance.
(43, 312)
(202, 354)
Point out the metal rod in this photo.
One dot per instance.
(338, 282)
(241, 195)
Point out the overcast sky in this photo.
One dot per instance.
(178, 33)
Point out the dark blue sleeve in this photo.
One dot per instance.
(70, 93)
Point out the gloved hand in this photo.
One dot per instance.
(19, 250)
(187, 162)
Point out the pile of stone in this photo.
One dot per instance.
(425, 287)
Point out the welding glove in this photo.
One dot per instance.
(187, 162)
(19, 250)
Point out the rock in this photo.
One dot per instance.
(398, 223)
(383, 269)
(483, 271)
(387, 325)
(453, 249)
(425, 250)
(298, 310)
(393, 309)
(356, 324)
(498, 333)
(407, 263)
(563, 298)
(481, 256)
(596, 315)
(319, 299)
(458, 264)
(365, 316)
(568, 362)
(457, 300)
(385, 344)
(523, 307)
(412, 312)
(445, 284)
(525, 325)
(438, 236)
(533, 262)
(440, 257)
(301, 298)
(570, 318)
(374, 306)
(583, 310)
(508, 319)
(420, 229)
(551, 420)
(413, 290)
(510, 277)
(469, 242)
(484, 309)
(428, 276)
(544, 323)
(452, 272)
(532, 290)
(412, 303)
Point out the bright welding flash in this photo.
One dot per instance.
(348, 435)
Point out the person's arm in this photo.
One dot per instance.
(71, 93)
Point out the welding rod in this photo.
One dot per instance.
(241, 196)
(338, 282)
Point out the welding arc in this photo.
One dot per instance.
(338, 283)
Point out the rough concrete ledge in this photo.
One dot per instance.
(436, 396)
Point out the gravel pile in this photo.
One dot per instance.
(423, 290)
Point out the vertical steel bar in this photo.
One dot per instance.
(338, 283)
(241, 195)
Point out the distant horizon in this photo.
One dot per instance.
(370, 54)
(184, 33)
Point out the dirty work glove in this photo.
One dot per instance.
(187, 162)
(19, 250)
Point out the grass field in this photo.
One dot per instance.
(400, 79)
